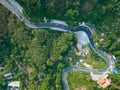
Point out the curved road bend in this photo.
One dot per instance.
(99, 52)
(15, 10)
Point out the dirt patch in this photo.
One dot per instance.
(81, 88)
(30, 69)
(86, 6)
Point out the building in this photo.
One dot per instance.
(14, 85)
(69, 59)
(114, 58)
(102, 40)
(82, 51)
(102, 34)
(104, 82)
(115, 71)
(8, 75)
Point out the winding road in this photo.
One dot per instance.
(16, 9)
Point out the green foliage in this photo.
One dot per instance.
(89, 10)
(77, 79)
(3, 83)
(72, 14)
(36, 56)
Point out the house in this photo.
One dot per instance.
(14, 85)
(8, 75)
(104, 82)
(102, 40)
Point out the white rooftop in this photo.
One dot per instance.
(14, 84)
(7, 74)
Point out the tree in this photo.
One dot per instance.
(72, 14)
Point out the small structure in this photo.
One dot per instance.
(102, 34)
(82, 51)
(81, 61)
(14, 85)
(114, 59)
(79, 46)
(8, 75)
(115, 71)
(77, 63)
(83, 23)
(69, 59)
(104, 82)
(96, 43)
(45, 20)
(102, 40)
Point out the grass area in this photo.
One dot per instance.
(92, 59)
(78, 79)
(95, 60)
(81, 79)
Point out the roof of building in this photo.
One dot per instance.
(14, 84)
(115, 71)
(102, 40)
(7, 74)
(104, 82)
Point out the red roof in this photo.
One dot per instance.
(104, 82)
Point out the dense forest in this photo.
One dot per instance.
(33, 56)
(36, 57)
